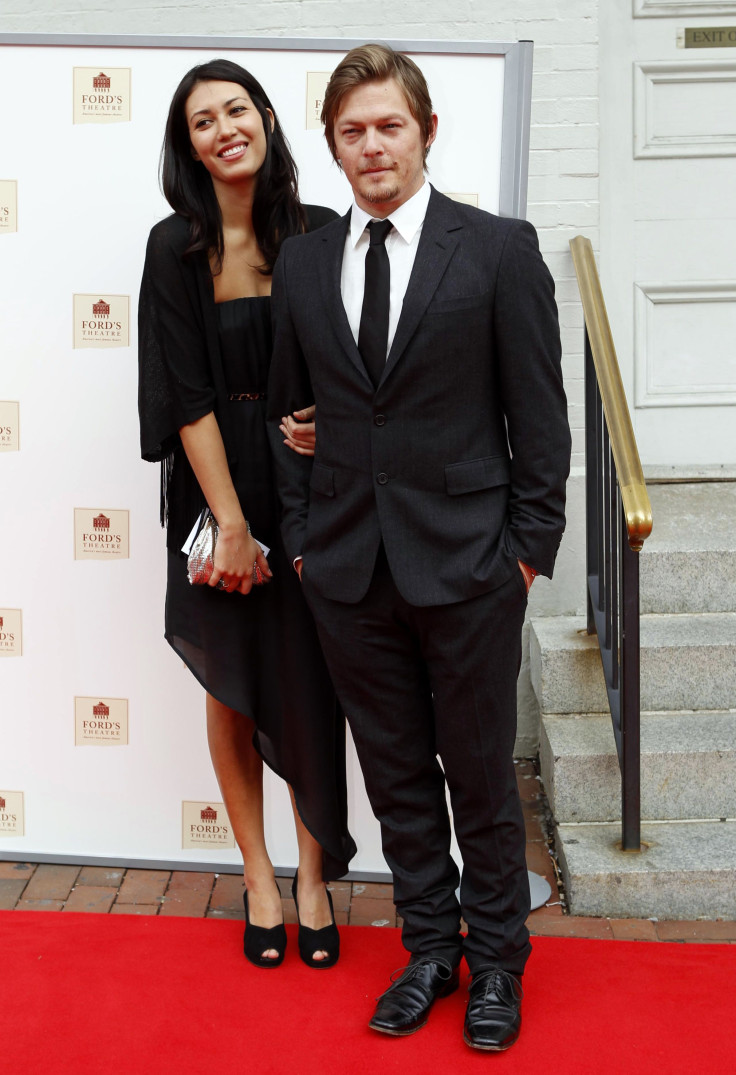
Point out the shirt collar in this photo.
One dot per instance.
(407, 219)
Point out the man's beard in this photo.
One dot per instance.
(387, 190)
(382, 194)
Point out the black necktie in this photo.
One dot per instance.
(373, 332)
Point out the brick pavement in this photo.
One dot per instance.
(29, 886)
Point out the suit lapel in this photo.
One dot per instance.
(330, 268)
(437, 243)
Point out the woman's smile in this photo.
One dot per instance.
(226, 131)
(230, 152)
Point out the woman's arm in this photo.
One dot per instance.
(236, 552)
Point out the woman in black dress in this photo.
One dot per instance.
(205, 344)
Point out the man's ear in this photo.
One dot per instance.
(432, 131)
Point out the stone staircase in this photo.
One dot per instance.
(688, 726)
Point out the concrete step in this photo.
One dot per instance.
(687, 662)
(689, 562)
(687, 872)
(688, 766)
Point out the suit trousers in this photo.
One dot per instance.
(430, 696)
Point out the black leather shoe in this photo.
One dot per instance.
(493, 1018)
(404, 1007)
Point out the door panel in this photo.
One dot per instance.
(668, 228)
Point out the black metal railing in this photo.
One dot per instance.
(618, 522)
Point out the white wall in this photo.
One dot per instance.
(563, 166)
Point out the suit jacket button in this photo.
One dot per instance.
(382, 479)
(380, 419)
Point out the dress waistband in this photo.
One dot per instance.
(240, 397)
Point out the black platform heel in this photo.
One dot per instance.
(258, 939)
(326, 939)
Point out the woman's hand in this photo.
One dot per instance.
(299, 430)
(239, 562)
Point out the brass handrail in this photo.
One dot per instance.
(634, 496)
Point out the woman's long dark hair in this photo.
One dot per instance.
(187, 184)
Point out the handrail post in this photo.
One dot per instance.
(591, 480)
(630, 697)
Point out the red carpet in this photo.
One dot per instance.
(92, 994)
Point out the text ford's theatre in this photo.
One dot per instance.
(205, 825)
(12, 822)
(101, 95)
(11, 642)
(101, 321)
(100, 535)
(101, 721)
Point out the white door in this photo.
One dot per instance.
(668, 224)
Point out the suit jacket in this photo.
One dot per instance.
(458, 460)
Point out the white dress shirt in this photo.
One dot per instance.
(401, 245)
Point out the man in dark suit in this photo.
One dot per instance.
(431, 347)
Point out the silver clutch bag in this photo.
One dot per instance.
(201, 557)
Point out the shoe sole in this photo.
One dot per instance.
(488, 1048)
(267, 964)
(397, 1033)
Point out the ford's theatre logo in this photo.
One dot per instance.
(11, 643)
(8, 206)
(101, 535)
(101, 321)
(11, 813)
(101, 721)
(101, 96)
(203, 825)
(9, 425)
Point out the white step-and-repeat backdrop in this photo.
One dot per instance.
(103, 753)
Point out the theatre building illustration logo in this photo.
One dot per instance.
(101, 321)
(205, 825)
(101, 535)
(100, 721)
(101, 95)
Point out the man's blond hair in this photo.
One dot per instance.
(376, 63)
